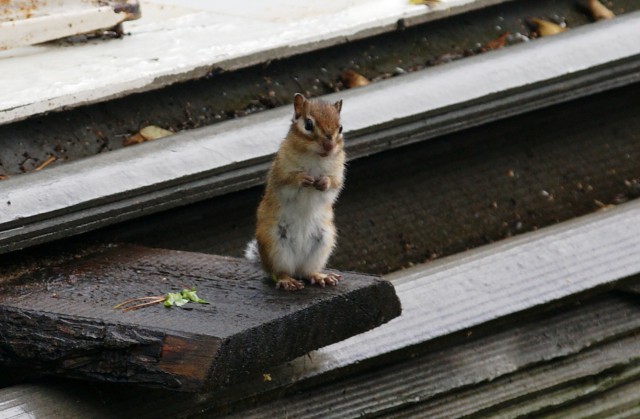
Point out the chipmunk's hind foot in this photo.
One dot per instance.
(325, 279)
(289, 284)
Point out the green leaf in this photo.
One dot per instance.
(183, 297)
(180, 302)
(192, 296)
(173, 298)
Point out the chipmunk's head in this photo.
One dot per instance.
(318, 123)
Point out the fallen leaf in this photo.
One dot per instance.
(169, 300)
(133, 139)
(497, 43)
(266, 377)
(153, 132)
(175, 299)
(546, 28)
(599, 11)
(192, 296)
(147, 133)
(352, 79)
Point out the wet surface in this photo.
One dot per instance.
(436, 198)
(61, 319)
(446, 195)
(95, 129)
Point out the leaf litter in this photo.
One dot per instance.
(169, 300)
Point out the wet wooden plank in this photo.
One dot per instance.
(214, 160)
(59, 319)
(618, 402)
(535, 354)
(631, 286)
(455, 298)
(486, 372)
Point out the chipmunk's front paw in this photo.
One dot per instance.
(325, 279)
(322, 183)
(289, 284)
(307, 180)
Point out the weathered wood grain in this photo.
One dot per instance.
(622, 401)
(61, 319)
(445, 196)
(556, 354)
(480, 293)
(487, 373)
(205, 163)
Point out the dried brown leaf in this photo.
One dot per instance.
(599, 11)
(352, 79)
(134, 139)
(153, 132)
(497, 43)
(546, 28)
(147, 133)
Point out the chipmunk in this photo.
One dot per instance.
(295, 234)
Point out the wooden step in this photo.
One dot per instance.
(212, 161)
(60, 319)
(481, 328)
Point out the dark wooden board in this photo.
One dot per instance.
(496, 374)
(59, 319)
(589, 347)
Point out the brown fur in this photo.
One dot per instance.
(320, 147)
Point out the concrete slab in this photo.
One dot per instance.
(180, 40)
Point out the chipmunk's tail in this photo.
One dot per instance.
(251, 252)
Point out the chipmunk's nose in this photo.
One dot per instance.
(327, 144)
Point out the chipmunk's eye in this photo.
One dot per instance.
(308, 124)
(340, 130)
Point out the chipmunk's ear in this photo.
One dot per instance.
(338, 105)
(298, 105)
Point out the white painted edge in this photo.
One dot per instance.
(61, 188)
(155, 55)
(35, 30)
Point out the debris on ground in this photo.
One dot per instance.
(45, 163)
(599, 11)
(148, 133)
(169, 300)
(352, 79)
(545, 27)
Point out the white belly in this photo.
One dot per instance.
(304, 235)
